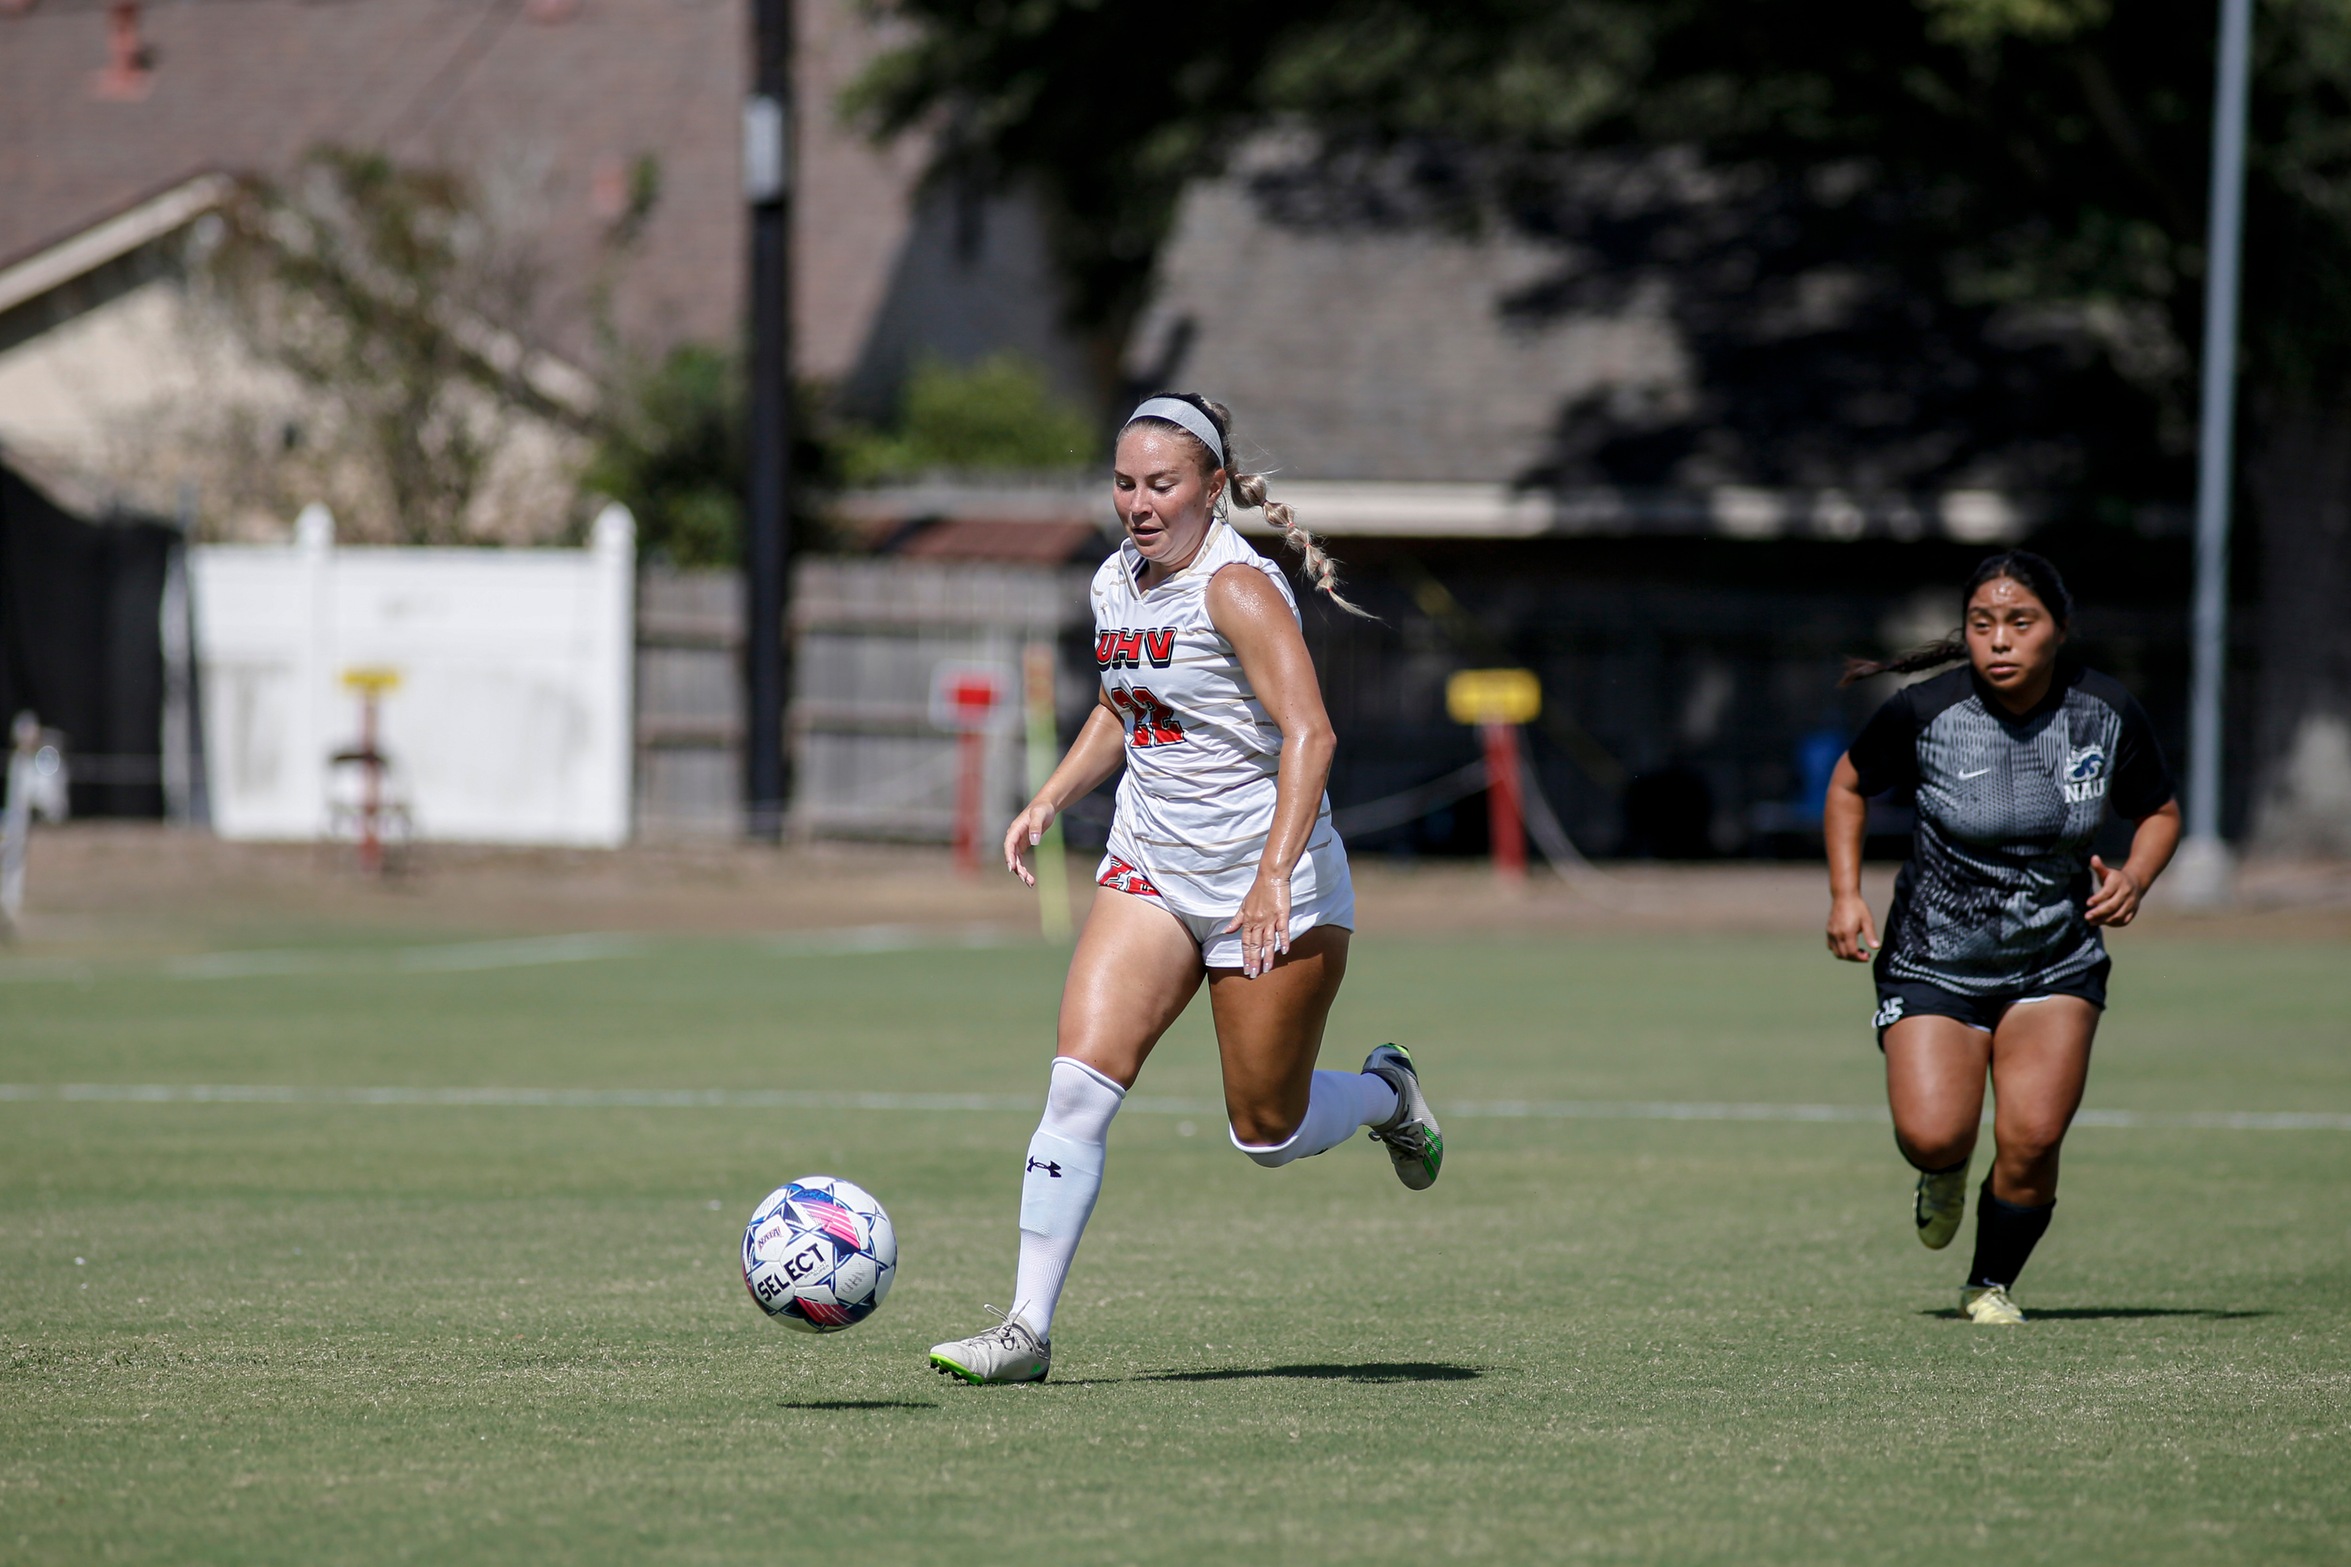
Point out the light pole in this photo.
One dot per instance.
(2203, 872)
(767, 514)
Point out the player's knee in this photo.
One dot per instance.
(1935, 1148)
(1266, 1135)
(2029, 1147)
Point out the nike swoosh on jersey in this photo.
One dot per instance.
(1978, 773)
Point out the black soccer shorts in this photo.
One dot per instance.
(1901, 998)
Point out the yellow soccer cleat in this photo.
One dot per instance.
(1989, 1305)
(1938, 1205)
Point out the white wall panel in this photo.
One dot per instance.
(511, 722)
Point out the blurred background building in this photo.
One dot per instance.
(1671, 406)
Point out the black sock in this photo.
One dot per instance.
(2005, 1235)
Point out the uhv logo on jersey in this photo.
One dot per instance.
(1129, 649)
(2085, 774)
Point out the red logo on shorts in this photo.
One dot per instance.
(1122, 877)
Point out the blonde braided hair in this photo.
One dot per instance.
(1248, 490)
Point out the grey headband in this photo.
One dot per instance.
(1178, 412)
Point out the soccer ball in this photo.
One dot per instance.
(819, 1254)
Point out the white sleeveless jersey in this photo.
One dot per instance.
(1197, 800)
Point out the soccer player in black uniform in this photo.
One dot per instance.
(1993, 955)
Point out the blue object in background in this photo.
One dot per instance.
(1816, 763)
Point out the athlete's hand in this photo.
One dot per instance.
(2116, 902)
(1025, 833)
(1853, 935)
(1264, 924)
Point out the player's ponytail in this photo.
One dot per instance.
(1934, 655)
(2029, 571)
(1248, 490)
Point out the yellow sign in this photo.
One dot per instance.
(1493, 696)
(372, 679)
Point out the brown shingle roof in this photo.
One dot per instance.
(1020, 543)
(540, 111)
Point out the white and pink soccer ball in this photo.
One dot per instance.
(819, 1254)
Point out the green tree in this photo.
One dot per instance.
(670, 447)
(2044, 153)
(996, 416)
(671, 444)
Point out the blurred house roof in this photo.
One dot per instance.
(1037, 525)
(113, 386)
(83, 270)
(547, 115)
(113, 238)
(1394, 376)
(1373, 354)
(549, 105)
(1028, 543)
(1652, 356)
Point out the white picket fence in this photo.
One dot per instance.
(511, 721)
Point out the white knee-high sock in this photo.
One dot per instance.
(1059, 1185)
(1338, 1104)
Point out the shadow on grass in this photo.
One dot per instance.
(2112, 1313)
(859, 1403)
(1369, 1371)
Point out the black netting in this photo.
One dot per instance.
(81, 643)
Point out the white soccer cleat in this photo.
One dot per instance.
(1938, 1206)
(1009, 1352)
(1414, 1143)
(1989, 1305)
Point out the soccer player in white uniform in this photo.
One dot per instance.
(1222, 863)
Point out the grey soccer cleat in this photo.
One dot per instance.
(1009, 1352)
(1414, 1142)
(1938, 1206)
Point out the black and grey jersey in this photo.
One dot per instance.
(1991, 902)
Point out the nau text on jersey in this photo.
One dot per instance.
(2085, 774)
(1130, 649)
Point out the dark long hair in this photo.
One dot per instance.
(2029, 571)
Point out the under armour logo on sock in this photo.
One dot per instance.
(1053, 1170)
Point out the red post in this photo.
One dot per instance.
(971, 762)
(1502, 801)
(966, 698)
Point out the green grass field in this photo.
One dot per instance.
(318, 1331)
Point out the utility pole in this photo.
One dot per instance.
(2203, 872)
(767, 513)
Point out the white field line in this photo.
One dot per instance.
(521, 952)
(813, 1099)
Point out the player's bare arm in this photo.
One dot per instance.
(2120, 889)
(1844, 821)
(1251, 615)
(1098, 752)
